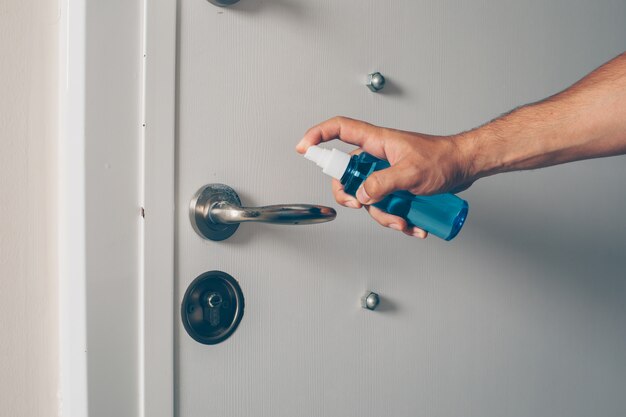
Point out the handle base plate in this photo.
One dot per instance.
(200, 204)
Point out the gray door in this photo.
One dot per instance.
(524, 314)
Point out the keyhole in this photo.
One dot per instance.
(214, 300)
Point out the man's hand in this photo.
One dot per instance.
(587, 120)
(420, 164)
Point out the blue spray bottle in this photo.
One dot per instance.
(442, 215)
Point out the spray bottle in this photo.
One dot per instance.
(442, 215)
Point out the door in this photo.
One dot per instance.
(523, 314)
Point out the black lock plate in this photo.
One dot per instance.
(212, 307)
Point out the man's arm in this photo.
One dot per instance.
(588, 120)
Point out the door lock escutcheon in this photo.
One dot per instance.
(212, 307)
(215, 212)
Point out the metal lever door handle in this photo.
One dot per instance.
(279, 214)
(216, 211)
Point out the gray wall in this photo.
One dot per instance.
(28, 282)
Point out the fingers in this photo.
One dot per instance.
(383, 182)
(417, 232)
(362, 134)
(386, 219)
(342, 197)
(395, 222)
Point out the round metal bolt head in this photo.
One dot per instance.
(370, 301)
(375, 81)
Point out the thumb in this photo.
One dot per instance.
(381, 183)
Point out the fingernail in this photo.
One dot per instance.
(353, 204)
(362, 195)
(395, 226)
(419, 234)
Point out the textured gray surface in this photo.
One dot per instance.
(523, 314)
(29, 304)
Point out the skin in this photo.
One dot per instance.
(587, 120)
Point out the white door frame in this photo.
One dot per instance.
(116, 207)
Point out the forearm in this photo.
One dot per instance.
(588, 120)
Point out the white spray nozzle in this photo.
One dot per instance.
(333, 162)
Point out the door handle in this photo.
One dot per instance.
(216, 211)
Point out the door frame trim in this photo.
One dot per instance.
(159, 174)
(116, 143)
(71, 174)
